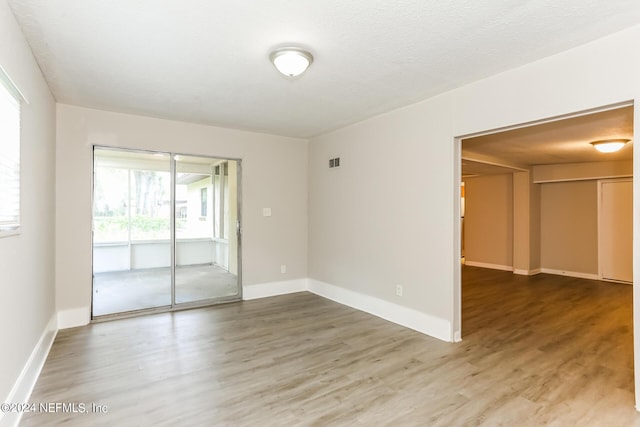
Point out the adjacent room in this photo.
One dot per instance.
(311, 213)
(543, 198)
(547, 246)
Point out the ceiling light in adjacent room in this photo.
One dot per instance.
(609, 146)
(291, 61)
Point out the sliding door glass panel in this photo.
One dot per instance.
(206, 238)
(132, 232)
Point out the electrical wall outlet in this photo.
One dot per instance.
(283, 269)
(399, 290)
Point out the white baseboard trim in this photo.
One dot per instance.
(74, 317)
(486, 265)
(589, 276)
(523, 272)
(23, 386)
(407, 317)
(264, 290)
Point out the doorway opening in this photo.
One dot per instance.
(553, 157)
(552, 296)
(166, 232)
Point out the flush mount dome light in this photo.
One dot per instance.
(291, 61)
(609, 146)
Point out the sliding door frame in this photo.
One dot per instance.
(173, 244)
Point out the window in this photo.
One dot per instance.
(9, 156)
(131, 196)
(203, 202)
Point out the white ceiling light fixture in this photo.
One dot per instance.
(291, 61)
(609, 146)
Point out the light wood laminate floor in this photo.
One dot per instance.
(536, 350)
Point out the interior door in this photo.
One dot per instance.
(615, 230)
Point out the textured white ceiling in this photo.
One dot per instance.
(207, 61)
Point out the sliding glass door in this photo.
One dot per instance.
(206, 224)
(164, 231)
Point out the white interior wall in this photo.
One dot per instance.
(384, 217)
(274, 175)
(489, 221)
(27, 260)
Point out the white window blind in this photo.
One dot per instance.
(9, 157)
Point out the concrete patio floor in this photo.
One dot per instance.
(122, 291)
